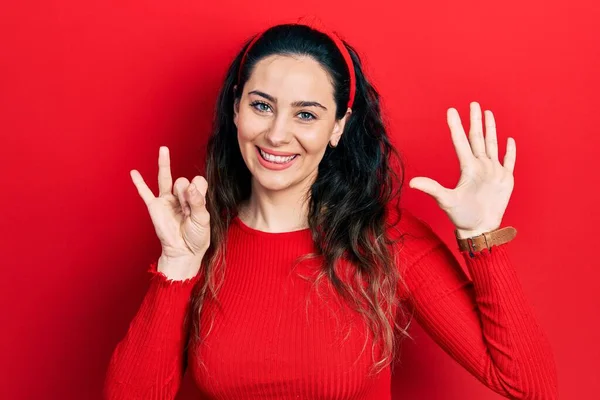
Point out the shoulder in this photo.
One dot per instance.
(413, 237)
(404, 223)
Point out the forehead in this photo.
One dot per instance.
(292, 78)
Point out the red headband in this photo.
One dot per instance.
(338, 42)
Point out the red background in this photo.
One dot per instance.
(90, 91)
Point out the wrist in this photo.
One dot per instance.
(470, 233)
(178, 269)
(484, 240)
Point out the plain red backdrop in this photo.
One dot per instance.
(90, 90)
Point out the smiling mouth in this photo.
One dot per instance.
(275, 159)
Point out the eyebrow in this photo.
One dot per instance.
(294, 104)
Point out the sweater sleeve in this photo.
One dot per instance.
(148, 363)
(486, 324)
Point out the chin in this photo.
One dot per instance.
(272, 183)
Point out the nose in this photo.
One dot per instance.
(279, 132)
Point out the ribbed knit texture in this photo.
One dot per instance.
(267, 342)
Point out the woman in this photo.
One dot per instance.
(317, 270)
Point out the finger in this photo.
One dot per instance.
(201, 184)
(476, 131)
(165, 181)
(459, 138)
(196, 193)
(181, 184)
(197, 198)
(511, 155)
(491, 139)
(428, 186)
(143, 189)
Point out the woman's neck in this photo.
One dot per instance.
(276, 211)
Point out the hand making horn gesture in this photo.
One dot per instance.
(477, 203)
(180, 219)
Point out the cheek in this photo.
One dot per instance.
(249, 125)
(314, 140)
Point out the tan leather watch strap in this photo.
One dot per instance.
(486, 240)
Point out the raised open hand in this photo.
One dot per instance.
(180, 219)
(480, 198)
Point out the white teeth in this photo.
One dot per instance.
(276, 159)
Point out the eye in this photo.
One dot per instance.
(260, 106)
(306, 116)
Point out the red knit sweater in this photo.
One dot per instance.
(267, 342)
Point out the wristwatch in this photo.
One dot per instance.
(485, 240)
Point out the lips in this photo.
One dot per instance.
(275, 160)
(278, 159)
(275, 152)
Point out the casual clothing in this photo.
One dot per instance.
(268, 342)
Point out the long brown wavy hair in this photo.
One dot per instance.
(355, 187)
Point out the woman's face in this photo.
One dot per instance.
(285, 119)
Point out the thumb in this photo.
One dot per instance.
(197, 192)
(428, 186)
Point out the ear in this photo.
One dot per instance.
(236, 106)
(338, 128)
